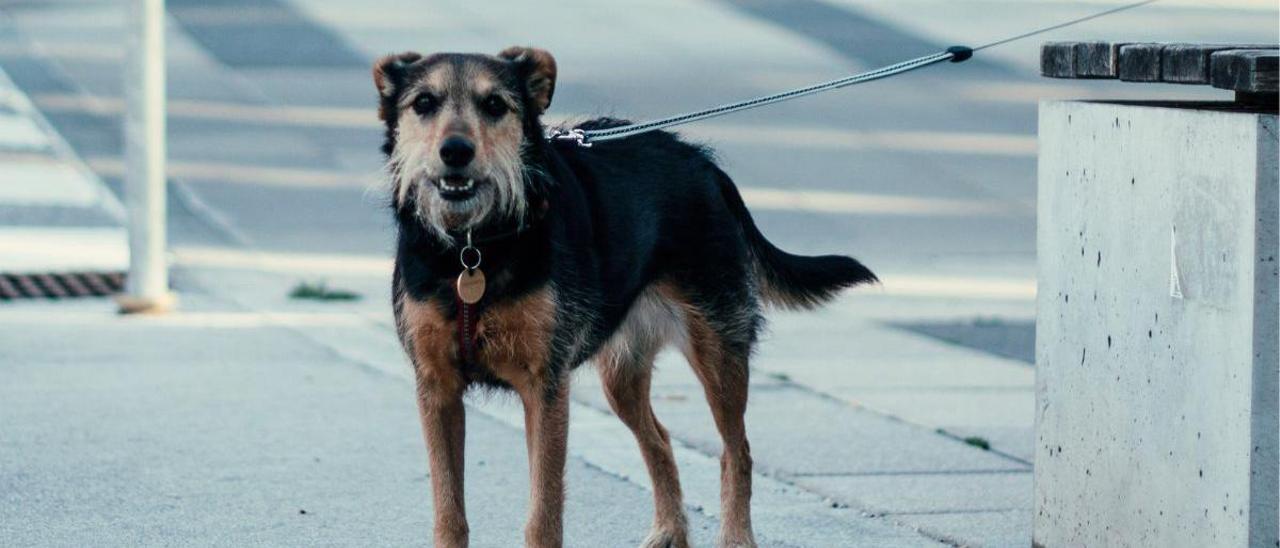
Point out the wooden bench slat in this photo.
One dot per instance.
(1246, 70)
(1058, 59)
(1097, 59)
(1140, 62)
(1177, 63)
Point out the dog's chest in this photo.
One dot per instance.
(512, 338)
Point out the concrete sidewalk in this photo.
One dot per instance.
(845, 413)
(223, 427)
(223, 423)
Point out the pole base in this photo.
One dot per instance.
(131, 304)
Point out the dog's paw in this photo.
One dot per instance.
(747, 542)
(666, 538)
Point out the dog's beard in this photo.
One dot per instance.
(500, 192)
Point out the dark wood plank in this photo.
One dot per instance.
(1186, 63)
(1057, 59)
(1189, 63)
(1246, 70)
(1140, 62)
(1097, 59)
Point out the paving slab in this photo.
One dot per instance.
(994, 529)
(924, 493)
(870, 355)
(975, 407)
(797, 432)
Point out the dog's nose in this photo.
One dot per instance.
(457, 152)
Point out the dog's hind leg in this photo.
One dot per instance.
(720, 361)
(626, 379)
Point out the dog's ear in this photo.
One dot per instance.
(390, 73)
(538, 68)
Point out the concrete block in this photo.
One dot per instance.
(1156, 414)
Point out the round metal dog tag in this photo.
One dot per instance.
(471, 285)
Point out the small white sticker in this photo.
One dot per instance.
(1175, 282)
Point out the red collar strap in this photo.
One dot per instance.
(468, 316)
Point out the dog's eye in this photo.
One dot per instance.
(425, 104)
(493, 106)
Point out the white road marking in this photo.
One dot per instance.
(37, 166)
(959, 287)
(107, 53)
(62, 249)
(218, 110)
(814, 137)
(761, 198)
(45, 182)
(906, 285)
(288, 263)
(19, 132)
(826, 201)
(247, 174)
(832, 138)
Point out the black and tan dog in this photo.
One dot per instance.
(520, 258)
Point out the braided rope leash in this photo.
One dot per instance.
(954, 54)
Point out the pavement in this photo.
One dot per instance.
(898, 416)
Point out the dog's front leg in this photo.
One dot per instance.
(546, 420)
(444, 427)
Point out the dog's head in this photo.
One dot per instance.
(458, 126)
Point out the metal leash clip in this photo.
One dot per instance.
(576, 135)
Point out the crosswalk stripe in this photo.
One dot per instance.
(757, 198)
(811, 137)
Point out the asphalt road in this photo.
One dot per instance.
(929, 175)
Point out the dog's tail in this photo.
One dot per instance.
(793, 281)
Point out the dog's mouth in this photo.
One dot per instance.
(456, 188)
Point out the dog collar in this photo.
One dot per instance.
(466, 238)
(469, 288)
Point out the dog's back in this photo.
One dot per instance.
(663, 211)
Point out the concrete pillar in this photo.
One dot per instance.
(1157, 330)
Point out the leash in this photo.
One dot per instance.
(954, 54)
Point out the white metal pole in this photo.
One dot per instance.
(144, 136)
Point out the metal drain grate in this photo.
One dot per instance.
(60, 286)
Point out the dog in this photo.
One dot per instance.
(520, 258)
